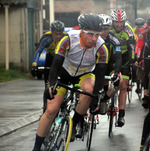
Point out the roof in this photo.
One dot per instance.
(15, 2)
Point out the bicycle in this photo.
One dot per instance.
(112, 109)
(130, 84)
(59, 135)
(139, 75)
(89, 124)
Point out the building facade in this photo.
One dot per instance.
(22, 23)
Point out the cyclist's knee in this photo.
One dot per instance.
(87, 87)
(123, 88)
(51, 111)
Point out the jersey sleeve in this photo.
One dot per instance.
(44, 42)
(102, 55)
(131, 42)
(63, 46)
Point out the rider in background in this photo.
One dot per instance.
(146, 102)
(144, 53)
(115, 56)
(48, 42)
(77, 27)
(139, 23)
(76, 56)
(141, 38)
(125, 34)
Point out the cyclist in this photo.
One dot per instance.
(141, 37)
(48, 42)
(113, 45)
(115, 55)
(144, 53)
(75, 58)
(146, 69)
(146, 102)
(125, 33)
(77, 27)
(139, 23)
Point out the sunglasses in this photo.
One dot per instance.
(91, 34)
(58, 33)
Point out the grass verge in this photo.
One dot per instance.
(9, 75)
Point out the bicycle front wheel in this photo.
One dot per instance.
(111, 116)
(90, 131)
(59, 140)
(64, 135)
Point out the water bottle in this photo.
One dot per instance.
(57, 122)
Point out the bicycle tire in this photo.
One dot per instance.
(130, 85)
(90, 132)
(63, 136)
(111, 107)
(140, 84)
(46, 143)
(147, 144)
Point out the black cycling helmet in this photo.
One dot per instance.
(148, 21)
(90, 21)
(57, 26)
(139, 22)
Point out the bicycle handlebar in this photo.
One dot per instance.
(76, 88)
(73, 89)
(146, 58)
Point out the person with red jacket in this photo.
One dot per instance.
(141, 37)
(140, 44)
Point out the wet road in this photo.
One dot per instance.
(126, 138)
(19, 99)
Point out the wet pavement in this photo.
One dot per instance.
(20, 104)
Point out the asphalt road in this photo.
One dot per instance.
(21, 99)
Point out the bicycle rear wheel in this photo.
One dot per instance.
(111, 116)
(90, 132)
(59, 140)
(140, 84)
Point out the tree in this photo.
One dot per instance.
(135, 4)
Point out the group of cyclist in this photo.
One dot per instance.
(101, 45)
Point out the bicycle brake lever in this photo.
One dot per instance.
(56, 84)
(100, 96)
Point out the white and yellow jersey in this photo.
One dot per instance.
(78, 60)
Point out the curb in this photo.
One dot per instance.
(7, 129)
